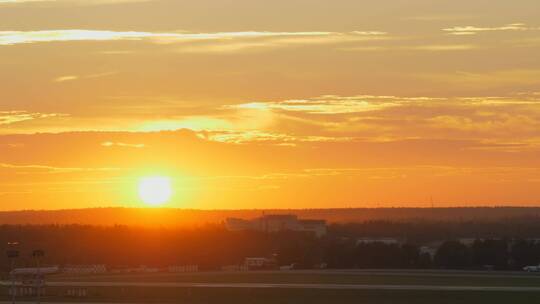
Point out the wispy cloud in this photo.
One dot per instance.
(473, 30)
(21, 37)
(443, 47)
(35, 168)
(24, 1)
(427, 47)
(391, 173)
(11, 117)
(72, 2)
(321, 105)
(390, 118)
(439, 17)
(273, 42)
(66, 78)
(334, 119)
(274, 138)
(219, 42)
(77, 77)
(109, 144)
(369, 33)
(14, 145)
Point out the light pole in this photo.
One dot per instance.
(37, 255)
(12, 254)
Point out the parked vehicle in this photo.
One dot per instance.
(532, 268)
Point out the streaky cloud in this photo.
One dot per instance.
(11, 117)
(473, 30)
(70, 2)
(26, 37)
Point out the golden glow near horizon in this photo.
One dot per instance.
(270, 104)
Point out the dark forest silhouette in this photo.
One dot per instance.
(500, 245)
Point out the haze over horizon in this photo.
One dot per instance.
(261, 105)
(191, 218)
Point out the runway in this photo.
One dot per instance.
(395, 286)
(295, 286)
(360, 272)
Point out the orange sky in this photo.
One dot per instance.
(270, 104)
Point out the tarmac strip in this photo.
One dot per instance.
(294, 286)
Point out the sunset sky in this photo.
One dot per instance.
(270, 104)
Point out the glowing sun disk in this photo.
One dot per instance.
(155, 191)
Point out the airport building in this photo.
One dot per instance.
(385, 241)
(85, 269)
(277, 223)
(183, 268)
(260, 263)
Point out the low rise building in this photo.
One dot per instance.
(260, 263)
(233, 268)
(183, 268)
(386, 241)
(85, 269)
(30, 281)
(140, 269)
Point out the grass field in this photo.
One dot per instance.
(286, 296)
(224, 295)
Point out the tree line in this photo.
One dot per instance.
(213, 246)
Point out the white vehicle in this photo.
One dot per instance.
(532, 268)
(287, 267)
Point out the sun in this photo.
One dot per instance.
(155, 190)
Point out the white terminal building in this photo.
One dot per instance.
(277, 223)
